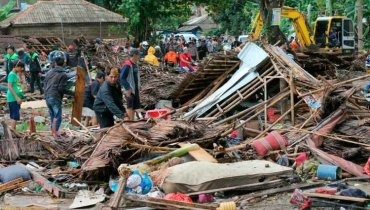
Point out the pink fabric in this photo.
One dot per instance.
(178, 197)
(314, 141)
(326, 129)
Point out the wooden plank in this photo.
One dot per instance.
(34, 104)
(337, 197)
(10, 183)
(79, 96)
(15, 186)
(289, 188)
(199, 154)
(115, 201)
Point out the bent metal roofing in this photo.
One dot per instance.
(66, 11)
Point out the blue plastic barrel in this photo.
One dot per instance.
(328, 172)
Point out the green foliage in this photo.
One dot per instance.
(234, 16)
(5, 10)
(147, 16)
(213, 32)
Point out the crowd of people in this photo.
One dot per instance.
(103, 96)
(176, 51)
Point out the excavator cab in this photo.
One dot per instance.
(335, 34)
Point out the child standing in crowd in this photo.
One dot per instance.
(15, 93)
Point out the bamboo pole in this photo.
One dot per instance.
(232, 104)
(257, 113)
(86, 129)
(291, 85)
(335, 85)
(327, 136)
(144, 141)
(277, 121)
(229, 103)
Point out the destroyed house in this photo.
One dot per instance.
(66, 19)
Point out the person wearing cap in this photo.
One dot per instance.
(8, 58)
(130, 80)
(109, 101)
(144, 48)
(51, 55)
(35, 69)
(55, 86)
(151, 58)
(15, 93)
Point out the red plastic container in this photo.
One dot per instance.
(273, 141)
(158, 113)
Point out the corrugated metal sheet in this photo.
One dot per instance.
(66, 11)
(252, 56)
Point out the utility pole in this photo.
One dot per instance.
(360, 32)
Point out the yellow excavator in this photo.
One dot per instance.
(331, 34)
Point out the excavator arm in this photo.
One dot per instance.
(301, 27)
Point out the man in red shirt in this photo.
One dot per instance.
(186, 60)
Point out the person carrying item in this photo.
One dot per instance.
(89, 97)
(109, 101)
(150, 57)
(15, 93)
(35, 69)
(55, 86)
(8, 58)
(130, 80)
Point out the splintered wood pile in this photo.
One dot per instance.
(157, 83)
(212, 73)
(127, 142)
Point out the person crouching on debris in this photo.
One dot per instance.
(89, 97)
(186, 61)
(55, 86)
(171, 58)
(15, 93)
(109, 101)
(150, 57)
(130, 80)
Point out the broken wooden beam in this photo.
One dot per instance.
(78, 97)
(336, 197)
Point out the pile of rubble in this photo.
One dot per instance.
(253, 124)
